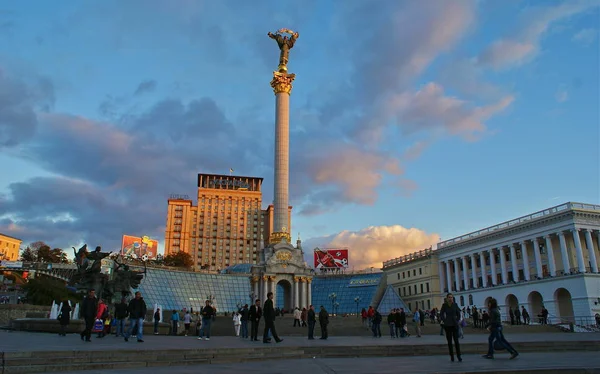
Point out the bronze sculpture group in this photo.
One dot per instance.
(89, 275)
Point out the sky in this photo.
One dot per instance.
(410, 121)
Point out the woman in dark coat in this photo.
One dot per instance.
(449, 316)
(64, 317)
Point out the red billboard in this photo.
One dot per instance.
(331, 258)
(139, 247)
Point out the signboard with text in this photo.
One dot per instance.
(330, 258)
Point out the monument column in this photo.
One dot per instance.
(282, 88)
(296, 294)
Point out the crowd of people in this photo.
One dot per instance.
(246, 320)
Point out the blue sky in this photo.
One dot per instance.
(410, 121)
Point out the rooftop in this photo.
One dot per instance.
(11, 237)
(409, 257)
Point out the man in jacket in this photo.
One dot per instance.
(254, 314)
(207, 314)
(323, 321)
(121, 315)
(269, 315)
(244, 313)
(137, 313)
(89, 308)
(311, 322)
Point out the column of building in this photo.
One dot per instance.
(296, 293)
(448, 276)
(465, 272)
(493, 267)
(308, 291)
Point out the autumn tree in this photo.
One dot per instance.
(179, 259)
(28, 255)
(41, 252)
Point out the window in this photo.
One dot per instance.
(403, 275)
(421, 287)
(420, 271)
(398, 275)
(404, 292)
(415, 289)
(462, 300)
(470, 299)
(427, 286)
(429, 304)
(414, 272)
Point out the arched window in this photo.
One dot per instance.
(462, 301)
(470, 299)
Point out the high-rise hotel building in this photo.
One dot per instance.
(225, 227)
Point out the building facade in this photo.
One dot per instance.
(416, 278)
(548, 258)
(9, 248)
(225, 227)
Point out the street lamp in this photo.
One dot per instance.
(357, 300)
(332, 297)
(252, 297)
(336, 305)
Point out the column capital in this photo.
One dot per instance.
(308, 280)
(255, 278)
(548, 236)
(575, 229)
(296, 279)
(282, 82)
(560, 233)
(265, 277)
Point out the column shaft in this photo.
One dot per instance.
(591, 252)
(448, 276)
(493, 267)
(474, 271)
(563, 252)
(441, 275)
(282, 162)
(309, 291)
(550, 253)
(456, 275)
(513, 263)
(525, 257)
(538, 258)
(256, 289)
(503, 267)
(578, 250)
(483, 269)
(465, 272)
(296, 294)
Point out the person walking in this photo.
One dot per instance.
(121, 315)
(324, 321)
(64, 317)
(450, 315)
(187, 322)
(207, 313)
(244, 316)
(89, 308)
(156, 320)
(311, 319)
(417, 321)
(237, 323)
(254, 315)
(269, 315)
(137, 313)
(495, 329)
(174, 321)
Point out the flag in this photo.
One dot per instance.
(230, 170)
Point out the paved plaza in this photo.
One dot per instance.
(531, 362)
(31, 341)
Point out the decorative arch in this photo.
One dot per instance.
(511, 301)
(536, 303)
(564, 305)
(470, 299)
(283, 295)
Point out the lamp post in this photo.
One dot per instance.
(357, 300)
(332, 297)
(336, 307)
(252, 297)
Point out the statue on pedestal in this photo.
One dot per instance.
(285, 43)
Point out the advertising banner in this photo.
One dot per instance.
(331, 258)
(139, 247)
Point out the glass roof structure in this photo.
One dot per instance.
(347, 288)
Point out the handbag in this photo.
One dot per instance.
(498, 346)
(98, 326)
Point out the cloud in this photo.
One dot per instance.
(430, 109)
(145, 87)
(19, 102)
(373, 245)
(586, 36)
(562, 95)
(523, 45)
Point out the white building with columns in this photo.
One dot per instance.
(548, 258)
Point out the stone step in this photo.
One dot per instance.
(54, 361)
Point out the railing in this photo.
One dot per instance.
(516, 221)
(586, 323)
(409, 257)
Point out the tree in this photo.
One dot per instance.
(43, 290)
(179, 259)
(28, 255)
